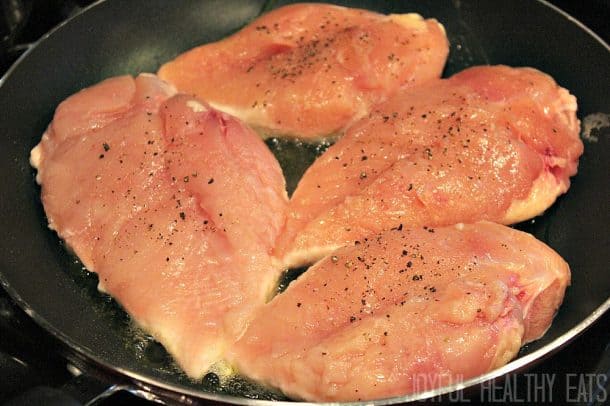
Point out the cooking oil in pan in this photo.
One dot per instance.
(295, 156)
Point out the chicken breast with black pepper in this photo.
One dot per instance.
(309, 70)
(174, 205)
(405, 311)
(490, 143)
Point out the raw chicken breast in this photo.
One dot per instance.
(90, 163)
(234, 175)
(492, 143)
(404, 311)
(309, 70)
(149, 191)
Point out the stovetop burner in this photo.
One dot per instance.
(31, 358)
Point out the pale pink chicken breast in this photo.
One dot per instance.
(308, 70)
(210, 153)
(126, 172)
(490, 143)
(90, 160)
(403, 311)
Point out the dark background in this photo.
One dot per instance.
(595, 14)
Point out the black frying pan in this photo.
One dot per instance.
(118, 37)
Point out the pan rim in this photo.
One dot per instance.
(149, 384)
(141, 381)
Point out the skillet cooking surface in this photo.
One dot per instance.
(119, 37)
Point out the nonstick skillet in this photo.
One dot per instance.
(132, 36)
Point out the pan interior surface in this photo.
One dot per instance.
(120, 37)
